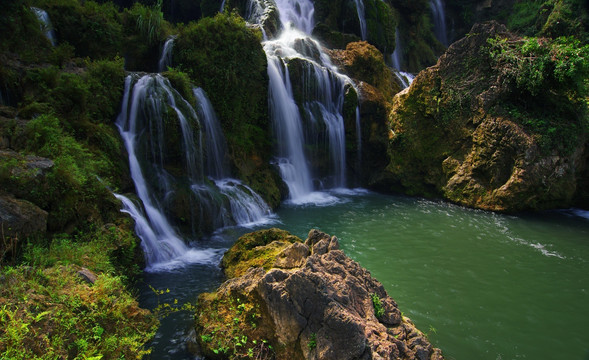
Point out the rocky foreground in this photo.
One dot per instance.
(288, 299)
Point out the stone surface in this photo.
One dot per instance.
(317, 305)
(19, 219)
(452, 137)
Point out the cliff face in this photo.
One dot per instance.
(482, 128)
(292, 300)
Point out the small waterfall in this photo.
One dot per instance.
(439, 17)
(405, 78)
(361, 18)
(166, 57)
(217, 167)
(397, 55)
(162, 134)
(45, 22)
(297, 14)
(306, 106)
(222, 6)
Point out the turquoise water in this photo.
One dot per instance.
(481, 285)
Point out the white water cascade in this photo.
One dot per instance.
(46, 25)
(170, 173)
(306, 95)
(439, 16)
(405, 78)
(361, 18)
(166, 57)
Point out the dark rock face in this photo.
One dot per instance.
(313, 303)
(457, 133)
(19, 219)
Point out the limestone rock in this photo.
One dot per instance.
(469, 133)
(317, 304)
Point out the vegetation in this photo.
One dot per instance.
(48, 311)
(536, 65)
(378, 309)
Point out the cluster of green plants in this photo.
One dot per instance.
(377, 304)
(552, 78)
(225, 328)
(47, 311)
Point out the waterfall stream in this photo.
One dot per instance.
(361, 19)
(46, 26)
(163, 135)
(306, 97)
(166, 56)
(439, 17)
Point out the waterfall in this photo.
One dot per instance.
(162, 133)
(397, 55)
(306, 97)
(222, 6)
(361, 18)
(437, 7)
(166, 57)
(45, 23)
(216, 145)
(405, 78)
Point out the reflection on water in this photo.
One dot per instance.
(481, 285)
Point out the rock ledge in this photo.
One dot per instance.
(313, 302)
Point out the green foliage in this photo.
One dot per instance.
(552, 76)
(378, 309)
(524, 16)
(212, 53)
(21, 32)
(50, 313)
(312, 344)
(148, 20)
(538, 64)
(181, 82)
(94, 30)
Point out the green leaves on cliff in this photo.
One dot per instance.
(536, 64)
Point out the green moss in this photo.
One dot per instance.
(211, 52)
(257, 249)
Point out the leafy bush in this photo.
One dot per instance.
(552, 77)
(93, 29)
(148, 20)
(51, 313)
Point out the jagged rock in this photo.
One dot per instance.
(458, 133)
(317, 304)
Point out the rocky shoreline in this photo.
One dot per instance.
(289, 299)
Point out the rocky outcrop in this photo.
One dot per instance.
(19, 219)
(302, 300)
(474, 130)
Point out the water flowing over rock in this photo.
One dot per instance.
(439, 16)
(166, 57)
(306, 106)
(169, 147)
(46, 25)
(302, 300)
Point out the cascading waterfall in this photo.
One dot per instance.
(405, 78)
(46, 25)
(162, 134)
(439, 16)
(361, 18)
(246, 206)
(166, 57)
(316, 121)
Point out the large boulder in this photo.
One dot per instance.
(19, 219)
(483, 129)
(302, 300)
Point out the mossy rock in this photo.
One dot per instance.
(257, 249)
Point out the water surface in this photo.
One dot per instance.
(481, 285)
